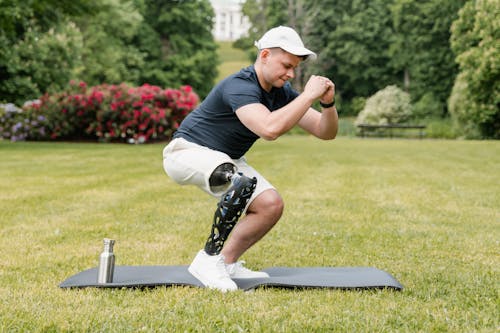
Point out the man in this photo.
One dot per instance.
(208, 149)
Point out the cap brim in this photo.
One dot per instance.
(301, 52)
(298, 51)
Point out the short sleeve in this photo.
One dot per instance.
(239, 92)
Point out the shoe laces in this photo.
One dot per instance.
(238, 266)
(221, 267)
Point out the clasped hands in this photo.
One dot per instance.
(320, 87)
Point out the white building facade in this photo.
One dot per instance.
(230, 24)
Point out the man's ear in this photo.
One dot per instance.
(264, 55)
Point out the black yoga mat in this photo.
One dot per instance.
(281, 277)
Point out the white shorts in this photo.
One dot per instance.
(188, 163)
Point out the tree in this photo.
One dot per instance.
(263, 15)
(180, 49)
(40, 62)
(421, 51)
(109, 55)
(44, 44)
(17, 17)
(39, 46)
(352, 39)
(475, 99)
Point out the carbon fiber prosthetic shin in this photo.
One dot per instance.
(229, 210)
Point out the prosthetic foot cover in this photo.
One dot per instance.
(280, 277)
(229, 210)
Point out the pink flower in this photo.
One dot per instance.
(147, 96)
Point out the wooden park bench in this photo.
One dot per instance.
(366, 128)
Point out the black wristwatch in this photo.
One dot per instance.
(329, 105)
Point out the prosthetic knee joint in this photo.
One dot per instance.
(231, 205)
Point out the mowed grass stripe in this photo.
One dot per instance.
(426, 211)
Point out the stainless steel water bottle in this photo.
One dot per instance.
(106, 262)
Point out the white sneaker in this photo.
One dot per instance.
(211, 271)
(238, 271)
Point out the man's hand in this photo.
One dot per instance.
(317, 86)
(329, 96)
(323, 125)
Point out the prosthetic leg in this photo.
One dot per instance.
(231, 205)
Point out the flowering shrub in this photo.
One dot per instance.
(16, 125)
(143, 113)
(390, 105)
(113, 112)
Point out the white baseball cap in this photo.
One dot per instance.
(287, 39)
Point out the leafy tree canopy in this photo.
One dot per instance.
(46, 43)
(180, 48)
(367, 45)
(475, 99)
(421, 48)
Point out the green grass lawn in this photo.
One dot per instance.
(426, 211)
(232, 60)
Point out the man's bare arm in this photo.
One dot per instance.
(271, 125)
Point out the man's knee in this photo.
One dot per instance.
(268, 202)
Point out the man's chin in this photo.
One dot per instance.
(279, 84)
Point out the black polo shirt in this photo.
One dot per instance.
(214, 123)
